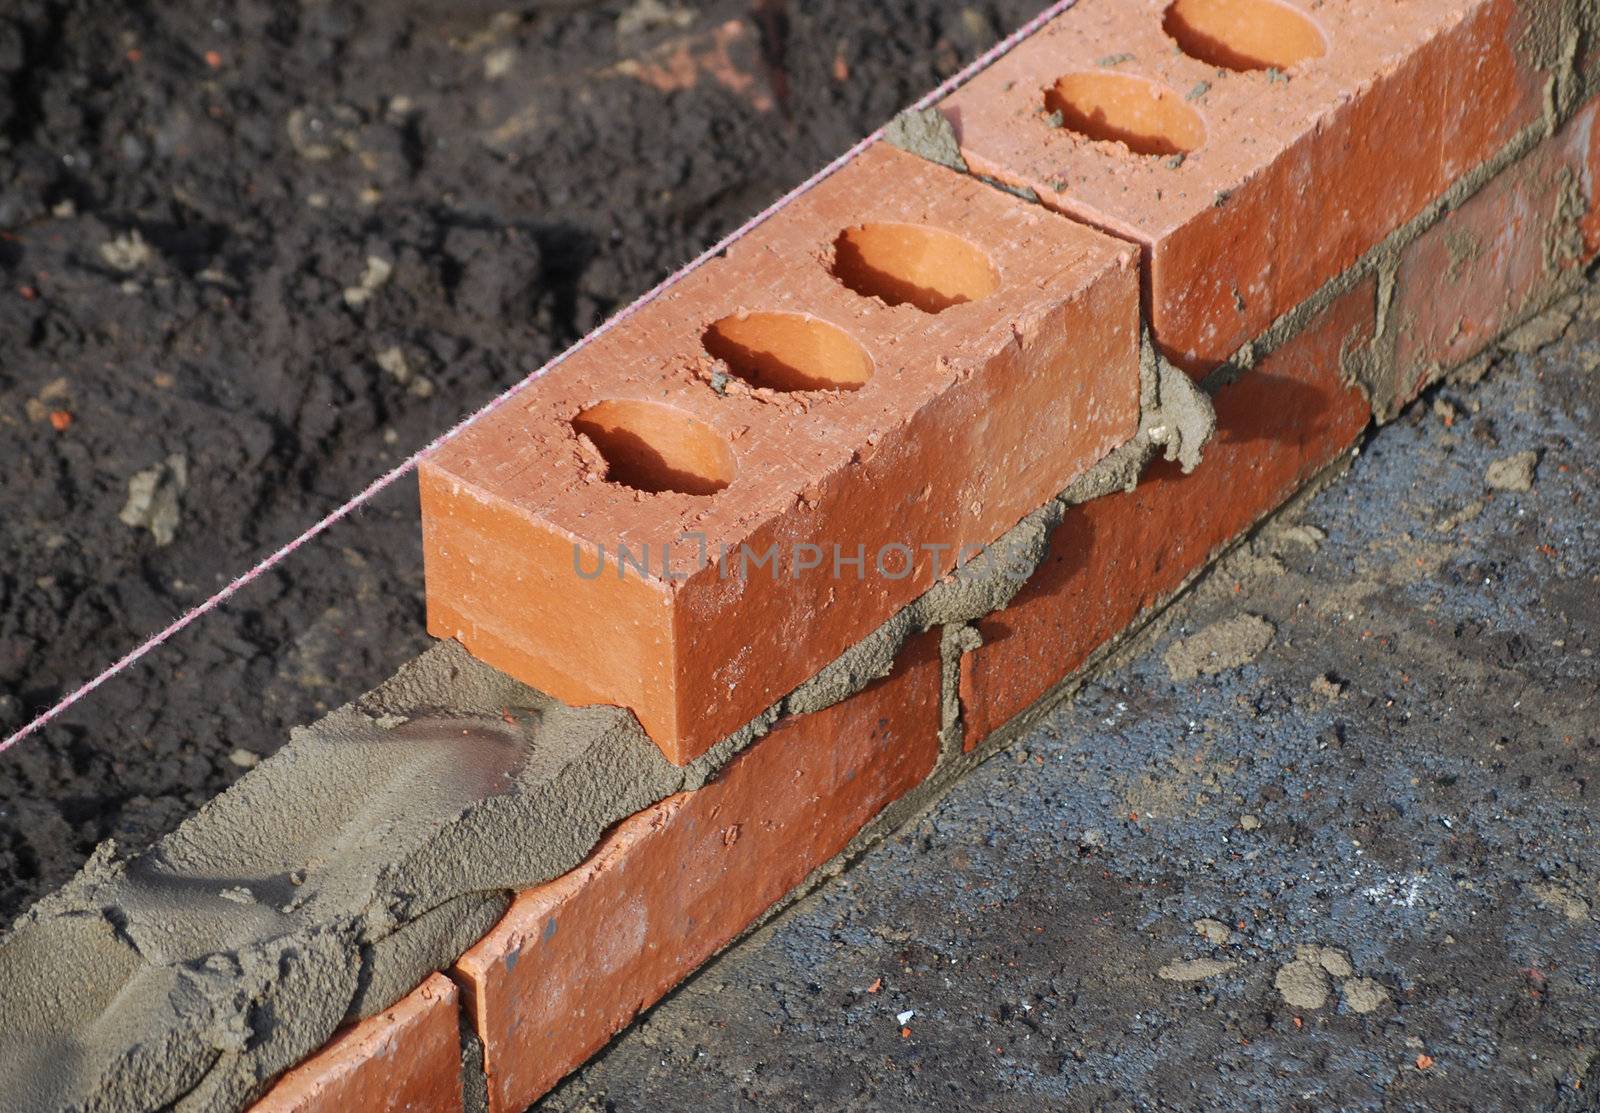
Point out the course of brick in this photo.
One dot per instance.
(907, 355)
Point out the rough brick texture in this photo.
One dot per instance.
(1006, 366)
(1480, 269)
(1285, 177)
(407, 1057)
(1113, 557)
(574, 960)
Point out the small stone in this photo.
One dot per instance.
(153, 499)
(1327, 686)
(1250, 822)
(377, 272)
(127, 252)
(1363, 995)
(393, 360)
(1222, 646)
(245, 759)
(1193, 969)
(1514, 473)
(498, 63)
(1331, 959)
(47, 401)
(1212, 931)
(1303, 984)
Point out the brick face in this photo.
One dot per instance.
(573, 961)
(407, 1057)
(1113, 557)
(1286, 179)
(1480, 269)
(944, 426)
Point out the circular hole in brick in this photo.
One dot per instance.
(1244, 34)
(789, 351)
(912, 264)
(1145, 116)
(652, 447)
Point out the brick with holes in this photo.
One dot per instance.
(1255, 149)
(695, 513)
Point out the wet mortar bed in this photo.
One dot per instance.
(1351, 864)
(253, 254)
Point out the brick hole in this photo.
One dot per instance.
(1244, 34)
(656, 448)
(912, 264)
(789, 351)
(1146, 117)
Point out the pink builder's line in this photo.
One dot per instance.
(406, 466)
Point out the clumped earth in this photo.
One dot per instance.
(252, 254)
(1343, 856)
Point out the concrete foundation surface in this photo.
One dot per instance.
(1348, 861)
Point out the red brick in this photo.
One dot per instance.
(1113, 557)
(946, 428)
(573, 961)
(407, 1057)
(1287, 178)
(1480, 269)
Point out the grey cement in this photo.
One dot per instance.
(370, 851)
(1380, 824)
(927, 133)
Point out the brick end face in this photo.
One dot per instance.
(407, 1057)
(1114, 557)
(575, 960)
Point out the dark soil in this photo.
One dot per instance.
(190, 194)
